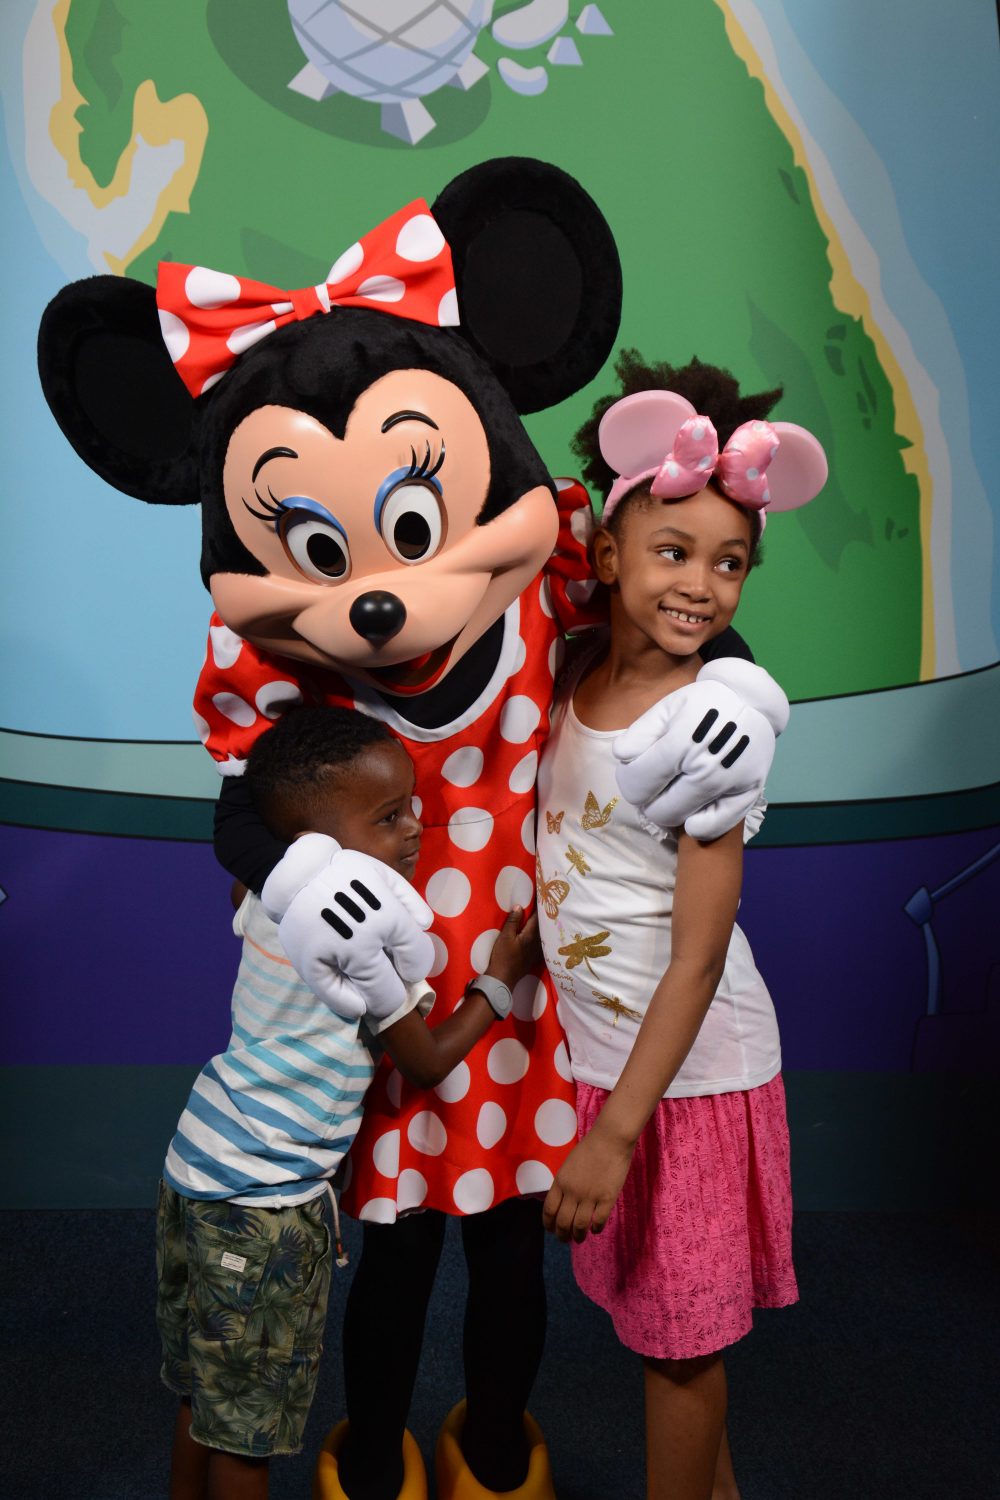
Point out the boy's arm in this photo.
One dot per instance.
(425, 1055)
(707, 893)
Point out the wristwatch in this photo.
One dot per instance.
(498, 996)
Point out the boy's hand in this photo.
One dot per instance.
(517, 949)
(586, 1187)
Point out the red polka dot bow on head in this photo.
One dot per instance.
(208, 318)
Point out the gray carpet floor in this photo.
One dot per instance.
(882, 1384)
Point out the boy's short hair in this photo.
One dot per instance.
(297, 754)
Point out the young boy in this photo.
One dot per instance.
(243, 1248)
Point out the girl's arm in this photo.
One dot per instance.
(424, 1054)
(707, 893)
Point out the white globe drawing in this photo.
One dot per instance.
(390, 52)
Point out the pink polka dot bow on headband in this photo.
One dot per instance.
(658, 436)
(208, 318)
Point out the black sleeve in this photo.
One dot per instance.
(729, 643)
(243, 844)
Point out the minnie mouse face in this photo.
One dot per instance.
(370, 498)
(375, 554)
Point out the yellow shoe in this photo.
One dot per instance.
(326, 1480)
(456, 1481)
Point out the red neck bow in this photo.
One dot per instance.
(208, 318)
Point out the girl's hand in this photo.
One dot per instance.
(586, 1187)
(517, 949)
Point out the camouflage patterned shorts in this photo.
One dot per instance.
(241, 1302)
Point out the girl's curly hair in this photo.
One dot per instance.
(711, 391)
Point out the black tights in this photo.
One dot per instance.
(502, 1345)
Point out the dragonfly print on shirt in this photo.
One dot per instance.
(582, 949)
(616, 1005)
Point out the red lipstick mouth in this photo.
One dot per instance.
(406, 678)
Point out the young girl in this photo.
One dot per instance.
(677, 1196)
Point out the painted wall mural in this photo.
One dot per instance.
(798, 193)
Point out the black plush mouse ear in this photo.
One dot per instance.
(112, 388)
(538, 276)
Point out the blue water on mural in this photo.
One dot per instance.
(922, 85)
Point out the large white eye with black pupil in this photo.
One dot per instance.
(317, 549)
(411, 522)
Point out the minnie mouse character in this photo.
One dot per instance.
(379, 531)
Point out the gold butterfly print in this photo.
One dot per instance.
(617, 1007)
(577, 860)
(582, 949)
(551, 893)
(553, 821)
(594, 815)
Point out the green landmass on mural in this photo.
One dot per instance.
(722, 252)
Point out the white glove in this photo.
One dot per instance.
(702, 754)
(351, 927)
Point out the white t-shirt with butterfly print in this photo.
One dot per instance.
(605, 897)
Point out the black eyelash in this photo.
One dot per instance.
(271, 513)
(274, 509)
(424, 470)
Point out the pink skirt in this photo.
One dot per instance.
(702, 1231)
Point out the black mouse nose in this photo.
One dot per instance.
(377, 616)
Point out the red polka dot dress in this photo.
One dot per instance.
(503, 1120)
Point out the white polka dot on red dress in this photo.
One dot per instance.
(464, 766)
(474, 1191)
(385, 1154)
(456, 1085)
(508, 1060)
(448, 891)
(490, 1124)
(555, 1122)
(426, 1133)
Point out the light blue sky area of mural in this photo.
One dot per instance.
(84, 571)
(911, 88)
(916, 83)
(83, 566)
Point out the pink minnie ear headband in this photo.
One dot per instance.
(764, 464)
(208, 318)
